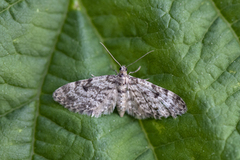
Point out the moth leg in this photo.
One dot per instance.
(135, 71)
(113, 69)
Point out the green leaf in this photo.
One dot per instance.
(46, 44)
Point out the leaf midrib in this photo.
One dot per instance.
(44, 78)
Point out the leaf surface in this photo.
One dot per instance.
(46, 44)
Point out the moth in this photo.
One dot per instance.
(98, 96)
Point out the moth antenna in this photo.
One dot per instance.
(140, 58)
(111, 54)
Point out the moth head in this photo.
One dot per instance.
(123, 70)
